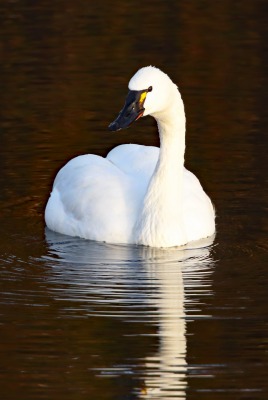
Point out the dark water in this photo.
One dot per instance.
(83, 320)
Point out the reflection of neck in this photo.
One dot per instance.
(172, 322)
(160, 222)
(166, 369)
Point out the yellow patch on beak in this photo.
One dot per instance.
(143, 97)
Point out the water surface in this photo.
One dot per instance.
(84, 320)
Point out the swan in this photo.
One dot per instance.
(137, 194)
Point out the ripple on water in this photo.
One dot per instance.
(138, 285)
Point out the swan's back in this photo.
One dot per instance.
(100, 198)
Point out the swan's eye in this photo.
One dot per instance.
(150, 89)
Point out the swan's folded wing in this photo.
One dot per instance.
(135, 159)
(90, 199)
(198, 211)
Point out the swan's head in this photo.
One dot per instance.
(151, 92)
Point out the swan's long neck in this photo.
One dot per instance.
(160, 221)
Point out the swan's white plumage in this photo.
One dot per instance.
(137, 194)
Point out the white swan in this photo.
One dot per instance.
(137, 194)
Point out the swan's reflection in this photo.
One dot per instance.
(131, 282)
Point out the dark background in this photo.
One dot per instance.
(64, 70)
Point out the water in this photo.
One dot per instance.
(84, 320)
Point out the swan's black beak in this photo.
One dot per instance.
(133, 110)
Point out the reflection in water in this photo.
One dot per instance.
(135, 284)
(164, 374)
